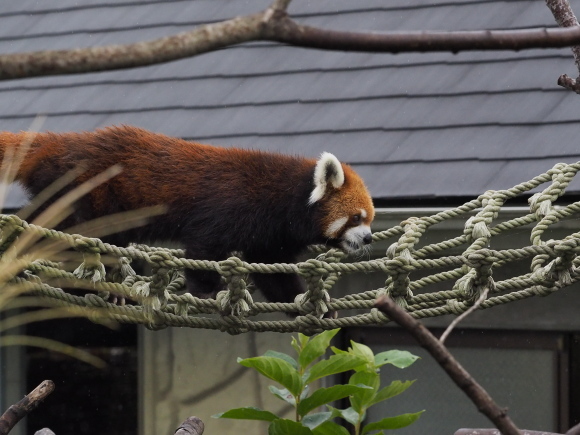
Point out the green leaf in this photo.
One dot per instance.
(350, 415)
(344, 352)
(363, 365)
(303, 340)
(397, 422)
(396, 388)
(283, 356)
(316, 347)
(249, 413)
(333, 365)
(296, 345)
(283, 394)
(287, 427)
(338, 351)
(398, 358)
(330, 428)
(361, 399)
(276, 369)
(363, 351)
(335, 412)
(312, 421)
(322, 396)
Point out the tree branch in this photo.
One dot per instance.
(456, 372)
(574, 430)
(496, 432)
(186, 44)
(460, 318)
(565, 17)
(273, 24)
(29, 403)
(280, 5)
(288, 31)
(191, 426)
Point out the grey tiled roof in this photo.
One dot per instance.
(414, 125)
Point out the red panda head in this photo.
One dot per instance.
(346, 205)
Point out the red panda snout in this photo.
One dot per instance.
(356, 238)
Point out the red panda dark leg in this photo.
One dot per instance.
(279, 287)
(203, 283)
(276, 287)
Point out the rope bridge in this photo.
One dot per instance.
(161, 300)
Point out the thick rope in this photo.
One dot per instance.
(162, 302)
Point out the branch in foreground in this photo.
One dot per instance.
(456, 372)
(564, 16)
(29, 403)
(272, 24)
(191, 426)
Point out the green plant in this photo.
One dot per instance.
(297, 375)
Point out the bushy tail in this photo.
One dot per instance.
(18, 154)
(14, 148)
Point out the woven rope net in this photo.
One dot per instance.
(161, 300)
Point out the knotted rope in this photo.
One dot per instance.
(162, 302)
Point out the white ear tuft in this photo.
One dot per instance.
(328, 170)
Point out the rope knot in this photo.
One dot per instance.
(479, 278)
(232, 266)
(476, 228)
(541, 204)
(313, 269)
(456, 307)
(313, 302)
(87, 244)
(125, 269)
(91, 268)
(236, 300)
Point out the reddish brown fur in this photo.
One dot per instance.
(149, 175)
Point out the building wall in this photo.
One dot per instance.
(189, 372)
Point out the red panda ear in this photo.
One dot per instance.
(328, 170)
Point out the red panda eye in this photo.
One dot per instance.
(356, 218)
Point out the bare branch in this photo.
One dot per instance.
(191, 426)
(290, 32)
(496, 432)
(29, 403)
(280, 5)
(575, 430)
(456, 372)
(565, 17)
(569, 83)
(562, 12)
(272, 25)
(460, 318)
(186, 44)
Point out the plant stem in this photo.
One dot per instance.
(357, 427)
(301, 371)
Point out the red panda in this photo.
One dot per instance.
(268, 206)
